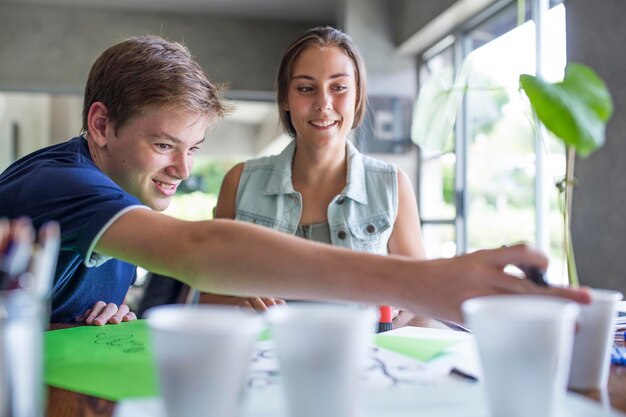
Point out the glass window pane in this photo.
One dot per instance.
(436, 187)
(497, 25)
(501, 158)
(501, 155)
(554, 44)
(439, 240)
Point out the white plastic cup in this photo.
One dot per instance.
(202, 355)
(322, 355)
(525, 346)
(591, 358)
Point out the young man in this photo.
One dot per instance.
(147, 107)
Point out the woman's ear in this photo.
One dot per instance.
(98, 125)
(286, 105)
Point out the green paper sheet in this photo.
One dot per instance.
(112, 362)
(421, 349)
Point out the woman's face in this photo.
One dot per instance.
(322, 95)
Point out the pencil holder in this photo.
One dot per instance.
(22, 322)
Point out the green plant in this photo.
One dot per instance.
(576, 111)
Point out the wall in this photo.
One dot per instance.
(31, 114)
(409, 16)
(52, 48)
(369, 23)
(230, 141)
(65, 117)
(595, 36)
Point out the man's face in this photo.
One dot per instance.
(152, 153)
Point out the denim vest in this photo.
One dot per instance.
(360, 218)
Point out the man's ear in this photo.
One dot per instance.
(98, 125)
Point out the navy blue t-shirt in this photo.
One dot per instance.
(62, 183)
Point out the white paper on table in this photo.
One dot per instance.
(384, 368)
(462, 355)
(450, 399)
(394, 385)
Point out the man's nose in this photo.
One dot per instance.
(181, 166)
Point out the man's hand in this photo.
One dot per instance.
(449, 282)
(102, 313)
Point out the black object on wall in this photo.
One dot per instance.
(386, 127)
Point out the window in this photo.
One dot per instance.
(495, 185)
(436, 185)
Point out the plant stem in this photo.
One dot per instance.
(569, 178)
(567, 215)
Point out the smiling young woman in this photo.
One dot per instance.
(321, 187)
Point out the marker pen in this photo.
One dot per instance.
(537, 276)
(463, 374)
(385, 321)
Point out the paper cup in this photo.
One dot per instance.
(322, 351)
(524, 345)
(591, 358)
(202, 355)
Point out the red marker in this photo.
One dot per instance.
(384, 323)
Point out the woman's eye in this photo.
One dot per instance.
(340, 88)
(305, 89)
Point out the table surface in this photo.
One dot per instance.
(64, 403)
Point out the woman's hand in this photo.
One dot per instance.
(259, 304)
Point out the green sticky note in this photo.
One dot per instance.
(416, 348)
(266, 334)
(112, 362)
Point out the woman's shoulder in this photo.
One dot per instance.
(371, 163)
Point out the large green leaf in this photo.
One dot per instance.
(575, 110)
(436, 109)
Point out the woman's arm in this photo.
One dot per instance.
(227, 199)
(406, 239)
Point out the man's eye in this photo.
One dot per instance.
(193, 149)
(164, 146)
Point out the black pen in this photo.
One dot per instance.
(537, 276)
(455, 326)
(462, 374)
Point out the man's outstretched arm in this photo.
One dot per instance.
(228, 257)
